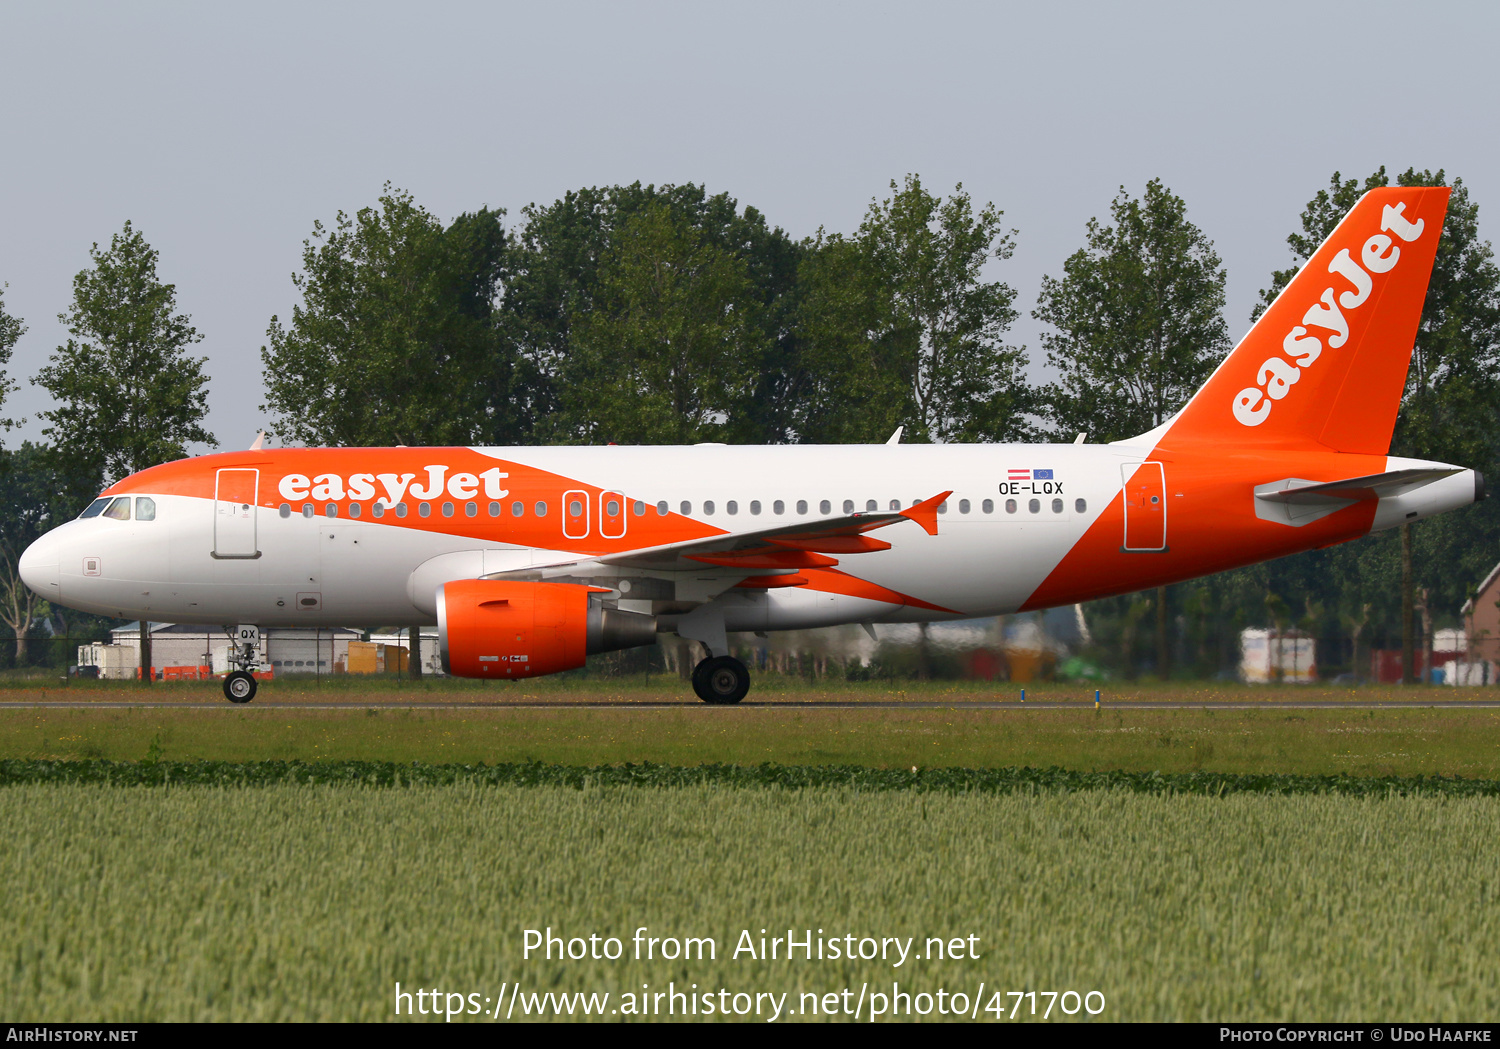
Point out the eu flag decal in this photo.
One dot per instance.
(1041, 475)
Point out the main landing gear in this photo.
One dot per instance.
(239, 687)
(721, 679)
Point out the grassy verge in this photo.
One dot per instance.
(312, 902)
(157, 773)
(656, 688)
(1432, 742)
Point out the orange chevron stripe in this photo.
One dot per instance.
(833, 581)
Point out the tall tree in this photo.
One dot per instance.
(567, 277)
(395, 340)
(900, 327)
(1139, 319)
(1323, 212)
(11, 330)
(130, 396)
(128, 393)
(671, 346)
(38, 491)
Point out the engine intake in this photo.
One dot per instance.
(493, 628)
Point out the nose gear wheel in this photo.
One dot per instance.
(239, 687)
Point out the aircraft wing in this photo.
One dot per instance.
(804, 544)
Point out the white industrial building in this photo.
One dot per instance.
(184, 650)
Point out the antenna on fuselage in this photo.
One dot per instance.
(259, 442)
(896, 437)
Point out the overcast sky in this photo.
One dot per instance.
(223, 131)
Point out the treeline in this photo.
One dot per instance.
(643, 314)
(646, 315)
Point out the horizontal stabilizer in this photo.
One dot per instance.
(1373, 486)
(1296, 502)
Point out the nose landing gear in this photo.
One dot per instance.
(244, 656)
(721, 680)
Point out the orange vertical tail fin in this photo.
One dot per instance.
(1326, 363)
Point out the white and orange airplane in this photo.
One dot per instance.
(529, 559)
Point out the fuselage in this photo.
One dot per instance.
(362, 537)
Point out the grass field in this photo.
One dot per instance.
(1450, 742)
(290, 901)
(313, 902)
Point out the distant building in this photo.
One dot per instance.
(1277, 656)
(1446, 663)
(1482, 624)
(183, 650)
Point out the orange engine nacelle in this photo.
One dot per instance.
(493, 628)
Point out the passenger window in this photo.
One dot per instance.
(640, 508)
(731, 507)
(895, 504)
(575, 508)
(1080, 506)
(354, 510)
(825, 507)
(119, 510)
(708, 506)
(848, 506)
(988, 506)
(1057, 506)
(471, 509)
(755, 506)
(307, 509)
(518, 509)
(1010, 506)
(870, 504)
(447, 509)
(963, 506)
(286, 510)
(331, 510)
(94, 509)
(1035, 506)
(540, 509)
(778, 508)
(424, 509)
(612, 507)
(943, 507)
(145, 508)
(661, 508)
(401, 510)
(686, 508)
(494, 509)
(377, 509)
(802, 506)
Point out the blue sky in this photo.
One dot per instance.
(222, 132)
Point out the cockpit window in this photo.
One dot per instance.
(119, 510)
(94, 508)
(145, 508)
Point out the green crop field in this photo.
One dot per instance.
(313, 902)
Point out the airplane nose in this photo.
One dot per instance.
(38, 568)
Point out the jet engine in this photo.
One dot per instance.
(494, 628)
